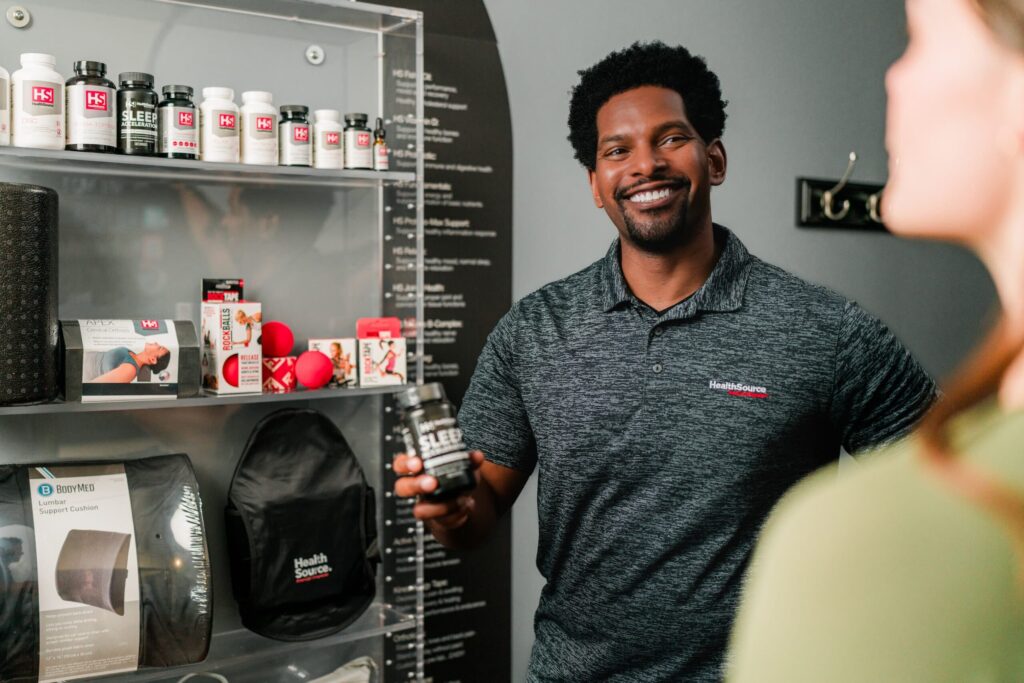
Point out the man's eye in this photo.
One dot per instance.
(675, 140)
(615, 151)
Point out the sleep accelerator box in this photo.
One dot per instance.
(232, 347)
(129, 360)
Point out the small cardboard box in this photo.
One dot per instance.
(381, 352)
(129, 360)
(344, 357)
(232, 353)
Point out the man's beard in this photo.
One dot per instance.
(660, 235)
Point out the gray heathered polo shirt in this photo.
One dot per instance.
(662, 442)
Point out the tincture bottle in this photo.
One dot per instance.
(431, 432)
(179, 123)
(136, 114)
(92, 109)
(380, 147)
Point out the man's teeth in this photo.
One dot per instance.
(648, 197)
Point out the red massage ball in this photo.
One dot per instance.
(278, 340)
(231, 370)
(313, 369)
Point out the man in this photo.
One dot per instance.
(668, 394)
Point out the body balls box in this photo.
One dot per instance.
(381, 352)
(232, 352)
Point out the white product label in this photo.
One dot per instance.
(126, 360)
(295, 147)
(328, 152)
(38, 114)
(179, 133)
(382, 362)
(380, 157)
(358, 149)
(220, 136)
(232, 355)
(88, 571)
(5, 112)
(259, 139)
(344, 357)
(92, 116)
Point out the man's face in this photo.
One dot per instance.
(653, 174)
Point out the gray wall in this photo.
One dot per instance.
(804, 79)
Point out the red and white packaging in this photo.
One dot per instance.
(279, 375)
(344, 358)
(381, 352)
(232, 355)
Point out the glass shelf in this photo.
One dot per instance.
(244, 649)
(93, 163)
(194, 402)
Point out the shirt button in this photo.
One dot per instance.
(657, 368)
(658, 331)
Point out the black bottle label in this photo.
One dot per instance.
(138, 126)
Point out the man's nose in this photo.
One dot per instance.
(648, 160)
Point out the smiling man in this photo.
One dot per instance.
(667, 395)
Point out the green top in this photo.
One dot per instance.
(885, 575)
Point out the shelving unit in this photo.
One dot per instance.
(138, 234)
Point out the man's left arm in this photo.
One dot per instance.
(880, 391)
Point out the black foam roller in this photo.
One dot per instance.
(28, 294)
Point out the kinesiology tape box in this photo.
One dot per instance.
(129, 360)
(381, 352)
(232, 347)
(103, 568)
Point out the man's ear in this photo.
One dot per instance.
(717, 162)
(592, 179)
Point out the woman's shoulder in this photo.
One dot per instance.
(888, 561)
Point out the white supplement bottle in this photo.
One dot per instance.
(218, 116)
(295, 146)
(259, 128)
(358, 142)
(5, 107)
(327, 131)
(37, 103)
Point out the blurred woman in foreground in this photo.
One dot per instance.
(912, 568)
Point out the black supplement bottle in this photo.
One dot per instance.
(136, 114)
(91, 109)
(432, 434)
(178, 124)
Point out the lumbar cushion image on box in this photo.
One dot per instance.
(108, 556)
(92, 568)
(302, 531)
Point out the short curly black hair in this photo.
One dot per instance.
(640, 64)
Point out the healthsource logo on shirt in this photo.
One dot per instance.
(311, 568)
(737, 389)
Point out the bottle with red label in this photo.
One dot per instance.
(136, 114)
(295, 147)
(259, 128)
(5, 107)
(380, 147)
(179, 124)
(218, 116)
(358, 142)
(92, 109)
(37, 111)
(327, 152)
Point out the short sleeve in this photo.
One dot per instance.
(880, 391)
(493, 417)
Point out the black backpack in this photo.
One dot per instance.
(301, 528)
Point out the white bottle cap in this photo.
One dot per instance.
(38, 59)
(218, 94)
(327, 115)
(256, 96)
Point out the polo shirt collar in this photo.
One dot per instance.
(722, 291)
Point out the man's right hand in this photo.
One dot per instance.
(444, 514)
